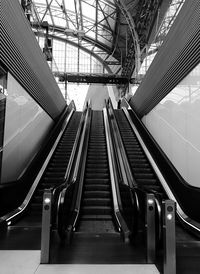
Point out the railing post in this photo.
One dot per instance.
(150, 227)
(169, 237)
(46, 226)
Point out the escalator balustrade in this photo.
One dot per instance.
(56, 169)
(53, 176)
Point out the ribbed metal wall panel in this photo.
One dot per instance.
(21, 54)
(179, 54)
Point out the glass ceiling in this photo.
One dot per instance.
(88, 24)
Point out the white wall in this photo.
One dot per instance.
(175, 124)
(97, 94)
(26, 125)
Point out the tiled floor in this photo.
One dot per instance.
(27, 262)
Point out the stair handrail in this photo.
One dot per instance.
(9, 218)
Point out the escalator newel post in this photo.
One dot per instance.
(169, 237)
(46, 226)
(150, 227)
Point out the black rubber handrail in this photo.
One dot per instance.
(115, 180)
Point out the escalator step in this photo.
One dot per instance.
(134, 156)
(97, 165)
(144, 175)
(96, 175)
(92, 187)
(97, 194)
(97, 201)
(56, 169)
(101, 210)
(141, 170)
(142, 165)
(147, 181)
(52, 174)
(51, 180)
(97, 217)
(97, 170)
(137, 161)
(97, 181)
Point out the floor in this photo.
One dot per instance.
(28, 262)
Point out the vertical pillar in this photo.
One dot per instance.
(150, 227)
(46, 226)
(169, 237)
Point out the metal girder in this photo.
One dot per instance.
(132, 60)
(95, 55)
(120, 28)
(91, 78)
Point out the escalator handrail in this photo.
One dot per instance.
(8, 218)
(114, 179)
(128, 178)
(77, 172)
(127, 170)
(58, 191)
(187, 221)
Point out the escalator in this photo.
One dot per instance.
(187, 243)
(95, 223)
(26, 225)
(96, 206)
(56, 169)
(142, 170)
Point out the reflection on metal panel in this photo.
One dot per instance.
(2, 120)
(174, 123)
(26, 126)
(178, 55)
(22, 56)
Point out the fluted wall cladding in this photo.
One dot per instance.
(179, 54)
(21, 54)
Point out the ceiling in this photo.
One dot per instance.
(117, 31)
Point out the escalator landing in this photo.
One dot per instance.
(94, 248)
